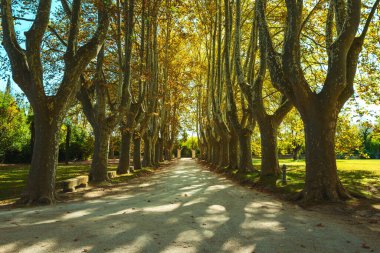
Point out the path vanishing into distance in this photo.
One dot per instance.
(182, 208)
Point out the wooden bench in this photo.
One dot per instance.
(70, 185)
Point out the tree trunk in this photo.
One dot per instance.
(125, 148)
(223, 152)
(270, 167)
(153, 155)
(233, 152)
(147, 158)
(202, 151)
(296, 152)
(245, 161)
(111, 154)
(215, 152)
(322, 181)
(32, 137)
(136, 152)
(41, 181)
(168, 154)
(162, 157)
(209, 151)
(159, 151)
(99, 164)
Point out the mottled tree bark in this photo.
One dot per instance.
(136, 152)
(296, 152)
(125, 148)
(147, 157)
(245, 158)
(233, 152)
(223, 156)
(322, 181)
(99, 165)
(41, 180)
(270, 168)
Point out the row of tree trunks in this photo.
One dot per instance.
(229, 144)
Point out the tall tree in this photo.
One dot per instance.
(319, 110)
(49, 110)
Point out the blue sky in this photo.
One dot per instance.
(21, 27)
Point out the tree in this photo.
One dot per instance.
(112, 101)
(253, 91)
(243, 127)
(319, 110)
(49, 110)
(14, 129)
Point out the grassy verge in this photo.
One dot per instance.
(13, 178)
(360, 177)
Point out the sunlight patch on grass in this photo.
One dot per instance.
(13, 177)
(361, 177)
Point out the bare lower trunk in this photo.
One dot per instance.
(41, 180)
(216, 153)
(161, 156)
(125, 148)
(233, 152)
(158, 152)
(245, 161)
(154, 154)
(168, 154)
(32, 136)
(136, 152)
(99, 164)
(223, 152)
(296, 153)
(111, 154)
(147, 158)
(322, 182)
(209, 151)
(270, 168)
(203, 151)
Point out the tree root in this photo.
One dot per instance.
(31, 200)
(323, 195)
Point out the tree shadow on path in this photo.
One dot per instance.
(183, 208)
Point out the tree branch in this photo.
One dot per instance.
(17, 57)
(66, 7)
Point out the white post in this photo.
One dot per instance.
(178, 153)
(193, 154)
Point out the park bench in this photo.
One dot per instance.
(70, 185)
(111, 173)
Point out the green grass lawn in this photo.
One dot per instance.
(13, 177)
(361, 177)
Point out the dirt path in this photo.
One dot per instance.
(183, 208)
